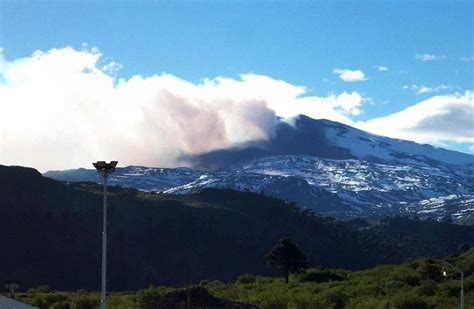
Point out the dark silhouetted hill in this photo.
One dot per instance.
(51, 234)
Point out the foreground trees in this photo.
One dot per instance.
(286, 257)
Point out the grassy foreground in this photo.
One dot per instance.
(416, 284)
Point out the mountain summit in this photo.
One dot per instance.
(331, 140)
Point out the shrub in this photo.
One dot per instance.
(429, 271)
(264, 280)
(272, 300)
(405, 275)
(53, 298)
(246, 279)
(363, 303)
(85, 302)
(39, 302)
(204, 282)
(408, 301)
(151, 297)
(333, 299)
(61, 305)
(322, 275)
(427, 288)
(39, 289)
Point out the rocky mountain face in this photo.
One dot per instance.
(325, 166)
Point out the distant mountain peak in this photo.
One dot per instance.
(327, 139)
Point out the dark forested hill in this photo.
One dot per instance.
(51, 235)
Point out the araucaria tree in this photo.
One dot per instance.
(285, 258)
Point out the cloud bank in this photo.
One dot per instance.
(64, 108)
(438, 120)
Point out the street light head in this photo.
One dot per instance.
(445, 274)
(105, 168)
(99, 164)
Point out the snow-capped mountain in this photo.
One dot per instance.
(325, 166)
(333, 140)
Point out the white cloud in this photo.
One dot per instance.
(350, 75)
(429, 57)
(438, 120)
(59, 109)
(421, 89)
(467, 59)
(382, 68)
(112, 67)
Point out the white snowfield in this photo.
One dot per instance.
(364, 145)
(365, 185)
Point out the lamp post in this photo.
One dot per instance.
(445, 274)
(104, 169)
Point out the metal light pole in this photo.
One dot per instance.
(462, 279)
(104, 169)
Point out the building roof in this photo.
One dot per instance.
(10, 303)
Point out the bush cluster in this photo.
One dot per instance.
(417, 284)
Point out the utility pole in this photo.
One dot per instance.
(462, 279)
(104, 169)
(188, 300)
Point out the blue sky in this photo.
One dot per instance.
(426, 46)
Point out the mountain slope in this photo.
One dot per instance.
(328, 167)
(51, 231)
(332, 140)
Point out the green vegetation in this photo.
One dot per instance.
(417, 284)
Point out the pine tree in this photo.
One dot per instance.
(285, 258)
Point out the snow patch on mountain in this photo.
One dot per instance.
(325, 166)
(364, 145)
